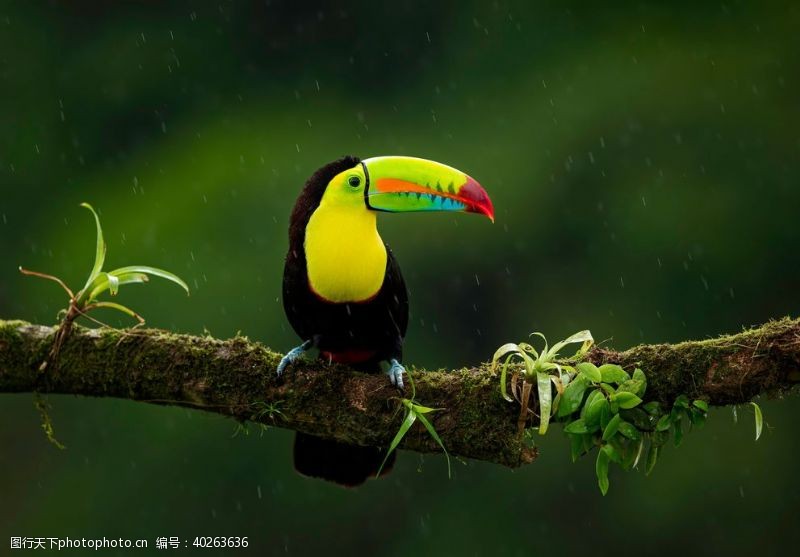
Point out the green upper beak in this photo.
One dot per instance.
(405, 184)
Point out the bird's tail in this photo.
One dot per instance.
(346, 465)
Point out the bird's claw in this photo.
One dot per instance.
(292, 356)
(395, 373)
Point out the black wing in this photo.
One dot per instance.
(394, 288)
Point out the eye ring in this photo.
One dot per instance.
(354, 181)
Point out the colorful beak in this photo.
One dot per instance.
(406, 184)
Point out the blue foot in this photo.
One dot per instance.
(292, 356)
(395, 373)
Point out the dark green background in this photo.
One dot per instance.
(643, 162)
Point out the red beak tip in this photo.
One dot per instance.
(477, 198)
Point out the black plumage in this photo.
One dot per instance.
(374, 328)
(359, 334)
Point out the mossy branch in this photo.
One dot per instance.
(236, 378)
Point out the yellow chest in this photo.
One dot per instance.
(345, 255)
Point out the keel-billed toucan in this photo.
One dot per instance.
(342, 288)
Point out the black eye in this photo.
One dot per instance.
(354, 181)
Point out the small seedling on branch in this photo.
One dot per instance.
(97, 284)
(413, 413)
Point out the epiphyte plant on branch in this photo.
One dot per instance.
(602, 406)
(98, 283)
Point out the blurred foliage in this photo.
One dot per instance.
(643, 160)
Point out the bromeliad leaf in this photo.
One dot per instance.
(545, 401)
(581, 336)
(153, 271)
(100, 251)
(118, 307)
(104, 280)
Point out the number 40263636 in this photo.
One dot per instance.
(220, 541)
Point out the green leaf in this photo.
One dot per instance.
(590, 400)
(663, 423)
(576, 446)
(652, 457)
(677, 431)
(151, 271)
(503, 380)
(589, 371)
(629, 430)
(508, 348)
(411, 417)
(632, 386)
(612, 373)
(601, 469)
(612, 451)
(581, 336)
(660, 437)
(577, 426)
(759, 419)
(639, 418)
(100, 250)
(608, 388)
(605, 414)
(104, 280)
(545, 401)
(626, 400)
(435, 436)
(572, 397)
(653, 407)
(419, 409)
(638, 375)
(701, 404)
(113, 284)
(595, 410)
(697, 417)
(611, 429)
(118, 307)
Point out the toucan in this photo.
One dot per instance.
(343, 291)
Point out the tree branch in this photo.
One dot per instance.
(236, 378)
